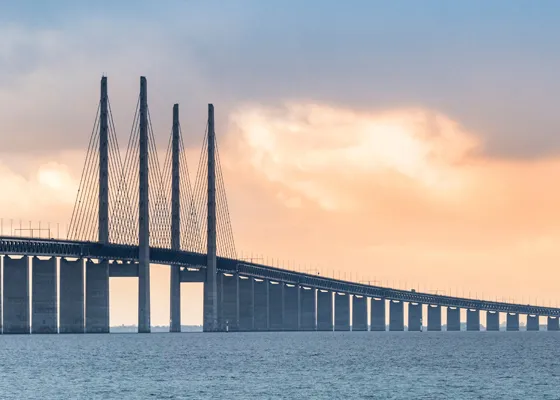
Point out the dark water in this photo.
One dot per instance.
(465, 365)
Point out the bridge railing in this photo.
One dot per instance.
(32, 229)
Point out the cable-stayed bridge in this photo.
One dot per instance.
(135, 211)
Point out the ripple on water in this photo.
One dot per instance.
(375, 365)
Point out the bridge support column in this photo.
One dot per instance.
(552, 324)
(1, 295)
(44, 305)
(359, 313)
(261, 305)
(492, 321)
(246, 306)
(276, 306)
(453, 319)
(308, 306)
(512, 322)
(175, 298)
(16, 295)
(396, 315)
(291, 307)
(532, 323)
(377, 315)
(221, 322)
(341, 311)
(414, 317)
(473, 320)
(71, 296)
(434, 318)
(230, 305)
(324, 310)
(97, 297)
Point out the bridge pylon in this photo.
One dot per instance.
(210, 319)
(175, 281)
(143, 216)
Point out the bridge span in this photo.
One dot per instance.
(251, 297)
(118, 230)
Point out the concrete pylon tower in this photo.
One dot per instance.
(97, 275)
(103, 223)
(210, 323)
(143, 217)
(175, 289)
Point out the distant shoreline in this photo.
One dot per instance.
(158, 328)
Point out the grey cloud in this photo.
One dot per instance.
(195, 53)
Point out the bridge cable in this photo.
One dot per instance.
(130, 233)
(200, 195)
(79, 194)
(190, 237)
(88, 192)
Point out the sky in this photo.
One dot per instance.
(409, 143)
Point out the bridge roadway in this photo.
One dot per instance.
(124, 258)
(66, 248)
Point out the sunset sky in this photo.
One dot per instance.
(411, 143)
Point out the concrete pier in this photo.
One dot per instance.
(97, 297)
(308, 306)
(246, 304)
(324, 310)
(16, 295)
(44, 316)
(260, 301)
(532, 323)
(1, 295)
(71, 296)
(396, 315)
(276, 306)
(414, 317)
(453, 319)
(220, 321)
(492, 321)
(230, 308)
(359, 313)
(552, 324)
(473, 320)
(434, 318)
(291, 307)
(341, 312)
(377, 315)
(174, 298)
(512, 322)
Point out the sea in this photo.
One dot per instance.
(288, 365)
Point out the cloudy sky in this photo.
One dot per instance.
(412, 143)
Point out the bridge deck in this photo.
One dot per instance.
(66, 248)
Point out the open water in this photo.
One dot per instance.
(353, 365)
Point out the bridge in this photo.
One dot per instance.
(118, 229)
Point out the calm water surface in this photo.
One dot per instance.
(381, 365)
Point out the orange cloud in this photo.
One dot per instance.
(404, 195)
